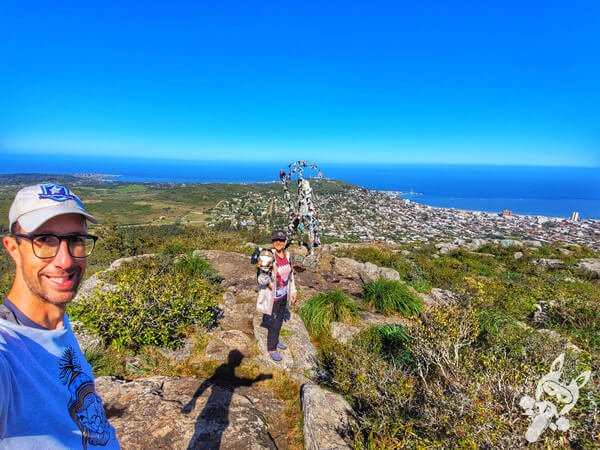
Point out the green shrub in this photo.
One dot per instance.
(377, 390)
(174, 248)
(105, 361)
(573, 309)
(421, 285)
(151, 304)
(324, 308)
(194, 266)
(391, 296)
(491, 321)
(438, 338)
(444, 272)
(373, 255)
(477, 266)
(389, 341)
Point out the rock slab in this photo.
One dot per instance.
(590, 265)
(327, 419)
(182, 413)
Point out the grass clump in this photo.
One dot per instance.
(388, 340)
(391, 296)
(324, 308)
(194, 266)
(149, 302)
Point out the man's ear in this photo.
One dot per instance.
(11, 246)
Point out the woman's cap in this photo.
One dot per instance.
(278, 236)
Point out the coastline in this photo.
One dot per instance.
(451, 201)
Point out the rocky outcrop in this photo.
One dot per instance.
(327, 419)
(299, 357)
(183, 413)
(445, 247)
(222, 342)
(506, 243)
(591, 266)
(475, 244)
(366, 271)
(239, 276)
(437, 297)
(549, 262)
(344, 332)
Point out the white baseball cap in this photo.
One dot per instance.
(35, 205)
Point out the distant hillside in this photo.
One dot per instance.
(33, 178)
(152, 203)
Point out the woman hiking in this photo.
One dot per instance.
(284, 289)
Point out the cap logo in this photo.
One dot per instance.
(57, 193)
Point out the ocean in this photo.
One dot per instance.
(547, 191)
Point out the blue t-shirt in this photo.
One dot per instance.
(47, 393)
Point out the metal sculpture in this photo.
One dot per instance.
(303, 216)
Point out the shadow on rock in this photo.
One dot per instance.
(214, 418)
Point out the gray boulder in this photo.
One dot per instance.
(510, 243)
(370, 272)
(439, 297)
(444, 247)
(389, 273)
(343, 332)
(327, 419)
(549, 262)
(591, 266)
(476, 244)
(532, 243)
(239, 276)
(349, 268)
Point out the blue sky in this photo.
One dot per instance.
(511, 82)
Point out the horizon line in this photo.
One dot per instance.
(327, 162)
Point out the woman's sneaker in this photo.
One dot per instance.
(275, 356)
(281, 346)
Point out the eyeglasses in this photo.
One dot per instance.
(278, 240)
(45, 246)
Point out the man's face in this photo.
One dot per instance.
(54, 280)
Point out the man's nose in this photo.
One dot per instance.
(63, 258)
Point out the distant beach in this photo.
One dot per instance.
(546, 191)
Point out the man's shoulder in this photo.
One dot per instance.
(7, 314)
